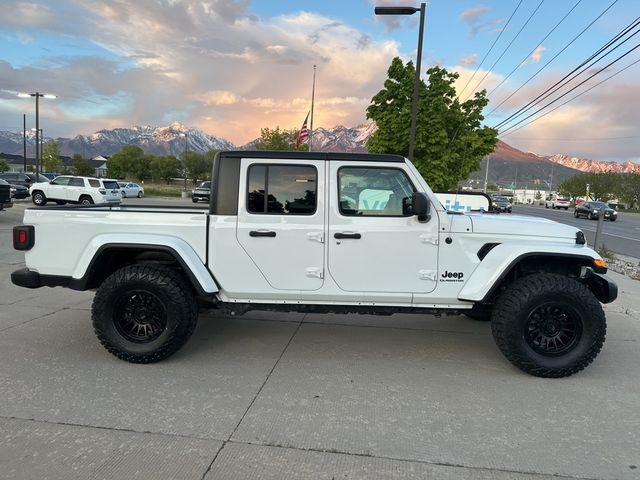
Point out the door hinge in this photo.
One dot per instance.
(316, 236)
(424, 238)
(427, 275)
(315, 272)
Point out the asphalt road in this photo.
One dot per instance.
(621, 236)
(304, 396)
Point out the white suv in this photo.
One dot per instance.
(558, 203)
(70, 189)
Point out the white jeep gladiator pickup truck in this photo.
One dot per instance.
(324, 232)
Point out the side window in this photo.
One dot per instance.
(282, 189)
(76, 182)
(63, 181)
(94, 183)
(374, 191)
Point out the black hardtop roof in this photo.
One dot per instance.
(350, 157)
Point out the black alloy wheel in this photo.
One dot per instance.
(140, 316)
(553, 329)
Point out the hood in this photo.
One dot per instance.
(521, 225)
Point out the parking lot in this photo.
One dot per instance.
(276, 396)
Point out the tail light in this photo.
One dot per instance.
(24, 237)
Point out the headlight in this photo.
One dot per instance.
(595, 210)
(13, 190)
(614, 213)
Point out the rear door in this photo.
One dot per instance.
(281, 221)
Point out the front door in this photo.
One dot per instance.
(374, 242)
(281, 221)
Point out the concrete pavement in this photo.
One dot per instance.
(275, 396)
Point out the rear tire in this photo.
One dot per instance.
(144, 313)
(39, 198)
(548, 325)
(194, 200)
(85, 200)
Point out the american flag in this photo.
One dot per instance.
(304, 132)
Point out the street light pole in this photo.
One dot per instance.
(184, 159)
(24, 142)
(416, 84)
(486, 174)
(37, 95)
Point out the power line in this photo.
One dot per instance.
(554, 57)
(593, 139)
(535, 48)
(512, 127)
(564, 81)
(491, 47)
(506, 48)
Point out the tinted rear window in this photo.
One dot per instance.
(111, 185)
(94, 183)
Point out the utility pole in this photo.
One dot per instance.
(24, 142)
(486, 174)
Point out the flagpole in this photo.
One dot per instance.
(313, 94)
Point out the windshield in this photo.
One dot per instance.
(599, 205)
(205, 185)
(3, 182)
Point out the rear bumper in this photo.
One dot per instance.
(29, 279)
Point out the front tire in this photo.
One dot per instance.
(575, 213)
(139, 194)
(144, 313)
(39, 198)
(548, 325)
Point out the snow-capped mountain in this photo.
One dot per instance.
(169, 140)
(343, 139)
(595, 166)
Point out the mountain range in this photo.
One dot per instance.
(506, 164)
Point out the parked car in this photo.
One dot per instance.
(5, 195)
(201, 192)
(71, 189)
(16, 178)
(17, 191)
(501, 204)
(558, 203)
(129, 189)
(591, 210)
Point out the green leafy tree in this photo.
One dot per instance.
(129, 161)
(450, 137)
(4, 166)
(82, 166)
(602, 186)
(628, 189)
(575, 186)
(276, 139)
(51, 157)
(197, 166)
(165, 168)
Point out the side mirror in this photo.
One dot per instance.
(420, 206)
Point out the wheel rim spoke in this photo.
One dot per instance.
(140, 316)
(553, 329)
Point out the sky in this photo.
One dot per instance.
(231, 67)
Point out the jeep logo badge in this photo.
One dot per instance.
(451, 276)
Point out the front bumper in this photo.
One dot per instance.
(602, 287)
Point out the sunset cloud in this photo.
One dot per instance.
(536, 56)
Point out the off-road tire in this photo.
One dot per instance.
(39, 198)
(511, 318)
(85, 200)
(169, 288)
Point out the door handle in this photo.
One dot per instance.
(355, 236)
(261, 233)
